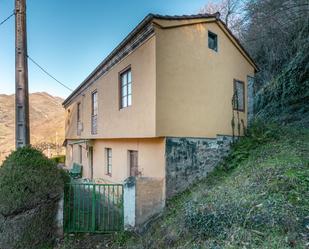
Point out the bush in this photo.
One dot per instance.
(30, 187)
(27, 178)
(59, 159)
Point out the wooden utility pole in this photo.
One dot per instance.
(22, 129)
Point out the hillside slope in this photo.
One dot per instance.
(258, 198)
(46, 120)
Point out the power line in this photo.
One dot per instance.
(6, 19)
(45, 71)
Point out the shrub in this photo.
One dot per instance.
(27, 178)
(59, 159)
(30, 187)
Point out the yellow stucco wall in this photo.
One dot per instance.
(195, 83)
(137, 120)
(180, 86)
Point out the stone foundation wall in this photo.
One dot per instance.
(190, 159)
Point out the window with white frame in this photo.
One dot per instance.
(125, 88)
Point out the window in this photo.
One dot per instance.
(108, 153)
(80, 152)
(212, 41)
(79, 129)
(125, 89)
(239, 96)
(71, 152)
(78, 112)
(94, 112)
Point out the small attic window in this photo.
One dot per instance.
(212, 41)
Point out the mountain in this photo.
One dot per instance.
(46, 122)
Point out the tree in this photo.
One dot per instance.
(274, 32)
(230, 12)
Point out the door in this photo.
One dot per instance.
(91, 162)
(133, 163)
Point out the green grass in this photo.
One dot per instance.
(257, 198)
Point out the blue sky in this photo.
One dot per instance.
(71, 37)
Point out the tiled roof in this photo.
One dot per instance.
(184, 17)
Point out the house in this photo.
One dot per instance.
(159, 106)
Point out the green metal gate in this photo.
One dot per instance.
(93, 208)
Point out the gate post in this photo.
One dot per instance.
(129, 203)
(93, 208)
(60, 217)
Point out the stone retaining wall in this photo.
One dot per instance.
(29, 229)
(190, 159)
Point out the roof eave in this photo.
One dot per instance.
(144, 22)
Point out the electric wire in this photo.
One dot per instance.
(6, 19)
(46, 72)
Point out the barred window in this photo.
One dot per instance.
(94, 112)
(125, 89)
(108, 153)
(94, 103)
(239, 95)
(79, 123)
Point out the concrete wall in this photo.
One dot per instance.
(129, 202)
(144, 200)
(150, 199)
(195, 83)
(137, 120)
(191, 159)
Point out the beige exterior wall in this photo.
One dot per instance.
(137, 120)
(195, 83)
(151, 160)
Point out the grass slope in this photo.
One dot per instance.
(258, 198)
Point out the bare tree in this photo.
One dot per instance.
(231, 12)
(275, 31)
